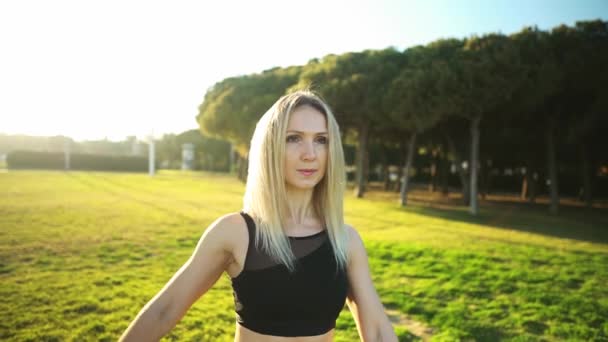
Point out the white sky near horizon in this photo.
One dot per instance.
(110, 69)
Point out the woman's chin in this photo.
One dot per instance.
(302, 185)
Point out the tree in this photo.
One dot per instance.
(416, 105)
(586, 86)
(354, 85)
(232, 107)
(480, 81)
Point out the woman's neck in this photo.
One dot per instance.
(299, 202)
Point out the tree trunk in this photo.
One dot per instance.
(408, 164)
(242, 169)
(445, 177)
(464, 182)
(366, 170)
(384, 167)
(474, 208)
(533, 186)
(586, 174)
(387, 177)
(552, 167)
(397, 184)
(433, 178)
(361, 161)
(403, 150)
(444, 170)
(524, 186)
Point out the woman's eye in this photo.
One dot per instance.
(292, 138)
(296, 138)
(322, 140)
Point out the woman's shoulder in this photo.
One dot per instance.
(229, 229)
(231, 219)
(230, 223)
(355, 242)
(351, 232)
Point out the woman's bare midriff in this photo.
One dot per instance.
(245, 335)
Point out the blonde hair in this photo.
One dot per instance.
(265, 196)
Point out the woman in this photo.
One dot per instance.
(292, 260)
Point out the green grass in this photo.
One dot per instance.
(81, 253)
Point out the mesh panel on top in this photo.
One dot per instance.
(300, 246)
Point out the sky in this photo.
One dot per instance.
(110, 69)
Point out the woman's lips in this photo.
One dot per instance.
(307, 172)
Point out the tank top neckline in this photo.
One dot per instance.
(308, 236)
(305, 237)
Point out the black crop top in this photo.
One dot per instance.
(271, 301)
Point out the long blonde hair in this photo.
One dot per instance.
(265, 196)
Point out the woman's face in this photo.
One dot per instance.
(306, 148)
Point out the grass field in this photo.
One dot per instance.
(81, 253)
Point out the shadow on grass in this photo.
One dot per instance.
(574, 221)
(583, 224)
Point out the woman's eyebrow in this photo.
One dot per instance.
(291, 130)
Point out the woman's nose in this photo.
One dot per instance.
(309, 150)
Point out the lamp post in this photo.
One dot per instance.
(150, 140)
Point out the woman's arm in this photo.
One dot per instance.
(210, 258)
(363, 301)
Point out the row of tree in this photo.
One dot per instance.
(495, 99)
